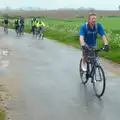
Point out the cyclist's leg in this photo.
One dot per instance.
(33, 29)
(41, 29)
(92, 65)
(20, 28)
(16, 28)
(37, 30)
(84, 65)
(6, 27)
(23, 27)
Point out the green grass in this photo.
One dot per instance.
(66, 31)
(2, 114)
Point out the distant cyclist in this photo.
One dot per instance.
(22, 24)
(17, 24)
(5, 22)
(88, 35)
(39, 25)
(33, 25)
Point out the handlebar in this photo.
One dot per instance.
(95, 50)
(100, 49)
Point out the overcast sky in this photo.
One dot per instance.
(53, 4)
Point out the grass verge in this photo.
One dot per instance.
(2, 114)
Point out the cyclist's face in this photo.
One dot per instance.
(92, 19)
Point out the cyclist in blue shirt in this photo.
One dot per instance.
(22, 24)
(88, 35)
(5, 22)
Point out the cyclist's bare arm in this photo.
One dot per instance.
(105, 40)
(82, 43)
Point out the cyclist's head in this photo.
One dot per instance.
(92, 18)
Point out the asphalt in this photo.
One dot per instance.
(50, 85)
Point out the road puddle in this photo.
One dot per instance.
(4, 63)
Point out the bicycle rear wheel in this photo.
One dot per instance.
(82, 74)
(101, 79)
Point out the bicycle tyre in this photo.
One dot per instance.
(81, 72)
(104, 82)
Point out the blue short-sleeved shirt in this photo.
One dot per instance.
(22, 21)
(91, 36)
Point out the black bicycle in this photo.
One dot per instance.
(92, 67)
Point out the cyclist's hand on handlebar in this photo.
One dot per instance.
(84, 47)
(106, 48)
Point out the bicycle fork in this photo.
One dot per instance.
(90, 74)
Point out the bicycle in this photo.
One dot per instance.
(92, 60)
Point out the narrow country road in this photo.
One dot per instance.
(50, 86)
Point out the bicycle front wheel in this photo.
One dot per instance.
(99, 78)
(41, 36)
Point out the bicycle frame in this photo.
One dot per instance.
(95, 63)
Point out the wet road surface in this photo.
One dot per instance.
(51, 88)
